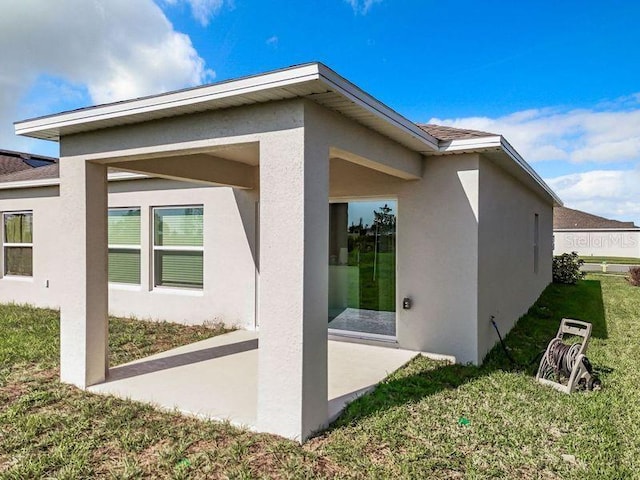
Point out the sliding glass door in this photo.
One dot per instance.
(362, 267)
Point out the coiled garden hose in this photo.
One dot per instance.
(560, 359)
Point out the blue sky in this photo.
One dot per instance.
(561, 80)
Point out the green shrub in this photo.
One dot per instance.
(566, 268)
(634, 276)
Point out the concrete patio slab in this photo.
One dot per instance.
(217, 378)
(355, 369)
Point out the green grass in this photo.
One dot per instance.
(614, 260)
(409, 427)
(373, 291)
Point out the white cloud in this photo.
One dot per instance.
(108, 50)
(609, 134)
(202, 10)
(609, 193)
(362, 7)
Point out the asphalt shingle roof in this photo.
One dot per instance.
(11, 161)
(39, 173)
(446, 134)
(567, 218)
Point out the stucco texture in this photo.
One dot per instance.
(465, 240)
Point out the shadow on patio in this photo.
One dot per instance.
(179, 360)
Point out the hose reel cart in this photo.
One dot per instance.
(564, 366)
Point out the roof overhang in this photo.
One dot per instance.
(314, 81)
(500, 150)
(52, 182)
(35, 183)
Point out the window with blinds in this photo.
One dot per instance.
(178, 247)
(124, 245)
(17, 243)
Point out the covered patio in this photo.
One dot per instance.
(217, 378)
(288, 142)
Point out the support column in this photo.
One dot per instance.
(293, 297)
(84, 304)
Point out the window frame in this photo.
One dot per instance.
(132, 247)
(173, 248)
(6, 244)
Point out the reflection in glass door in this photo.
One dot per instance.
(362, 267)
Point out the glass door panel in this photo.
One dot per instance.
(362, 267)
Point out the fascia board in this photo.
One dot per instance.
(470, 144)
(280, 78)
(44, 182)
(515, 156)
(47, 182)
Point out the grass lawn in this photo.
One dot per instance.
(614, 260)
(409, 427)
(373, 291)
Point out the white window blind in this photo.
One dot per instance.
(17, 242)
(178, 247)
(124, 245)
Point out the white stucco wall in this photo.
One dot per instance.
(507, 282)
(452, 268)
(228, 294)
(465, 250)
(44, 288)
(294, 237)
(603, 243)
(436, 249)
(437, 232)
(438, 258)
(461, 223)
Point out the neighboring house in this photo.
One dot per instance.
(591, 235)
(290, 202)
(11, 161)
